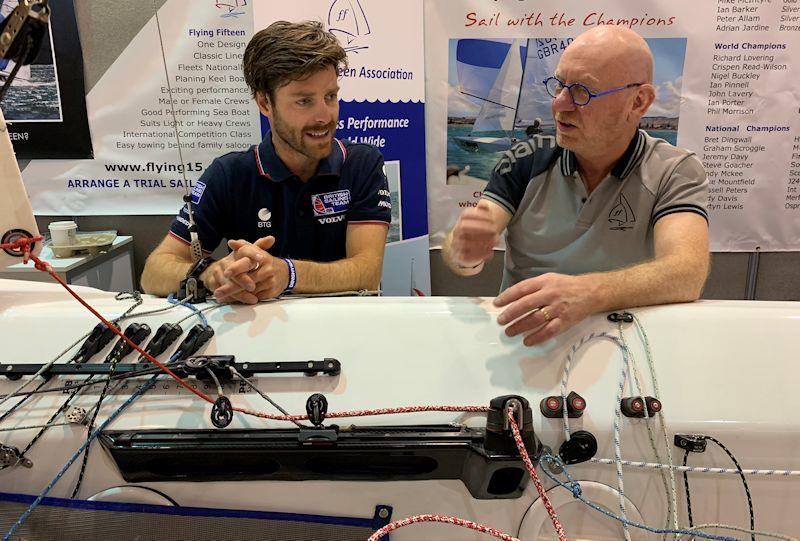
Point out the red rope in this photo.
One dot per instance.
(523, 452)
(23, 244)
(441, 518)
(367, 413)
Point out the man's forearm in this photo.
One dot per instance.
(350, 274)
(660, 281)
(163, 274)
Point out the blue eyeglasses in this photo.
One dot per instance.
(579, 93)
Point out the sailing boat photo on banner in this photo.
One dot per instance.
(33, 95)
(496, 98)
(490, 72)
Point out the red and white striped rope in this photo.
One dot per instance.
(366, 413)
(443, 519)
(523, 452)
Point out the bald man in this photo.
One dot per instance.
(600, 218)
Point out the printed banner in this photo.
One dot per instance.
(137, 167)
(45, 105)
(724, 84)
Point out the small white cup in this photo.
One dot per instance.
(63, 233)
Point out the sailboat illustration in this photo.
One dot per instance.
(621, 215)
(494, 71)
(346, 19)
(231, 6)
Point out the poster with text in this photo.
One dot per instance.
(724, 89)
(140, 110)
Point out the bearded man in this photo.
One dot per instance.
(302, 211)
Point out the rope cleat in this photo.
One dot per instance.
(634, 406)
(97, 340)
(499, 438)
(136, 333)
(200, 365)
(552, 407)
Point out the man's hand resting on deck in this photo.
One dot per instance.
(545, 306)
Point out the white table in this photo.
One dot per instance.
(109, 270)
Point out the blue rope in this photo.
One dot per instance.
(139, 392)
(172, 300)
(573, 486)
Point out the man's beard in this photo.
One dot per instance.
(296, 141)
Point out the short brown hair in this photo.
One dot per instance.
(285, 52)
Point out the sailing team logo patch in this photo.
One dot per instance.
(325, 204)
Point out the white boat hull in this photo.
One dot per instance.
(726, 369)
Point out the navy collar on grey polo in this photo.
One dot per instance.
(626, 163)
(272, 167)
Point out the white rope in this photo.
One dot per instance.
(660, 415)
(618, 438)
(738, 529)
(694, 469)
(31, 427)
(671, 487)
(220, 390)
(671, 496)
(617, 411)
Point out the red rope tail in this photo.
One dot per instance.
(523, 452)
(443, 519)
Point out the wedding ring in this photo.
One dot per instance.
(258, 265)
(547, 316)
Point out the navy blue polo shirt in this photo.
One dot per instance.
(252, 194)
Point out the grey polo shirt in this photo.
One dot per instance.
(557, 227)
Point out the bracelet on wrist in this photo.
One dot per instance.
(292, 275)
